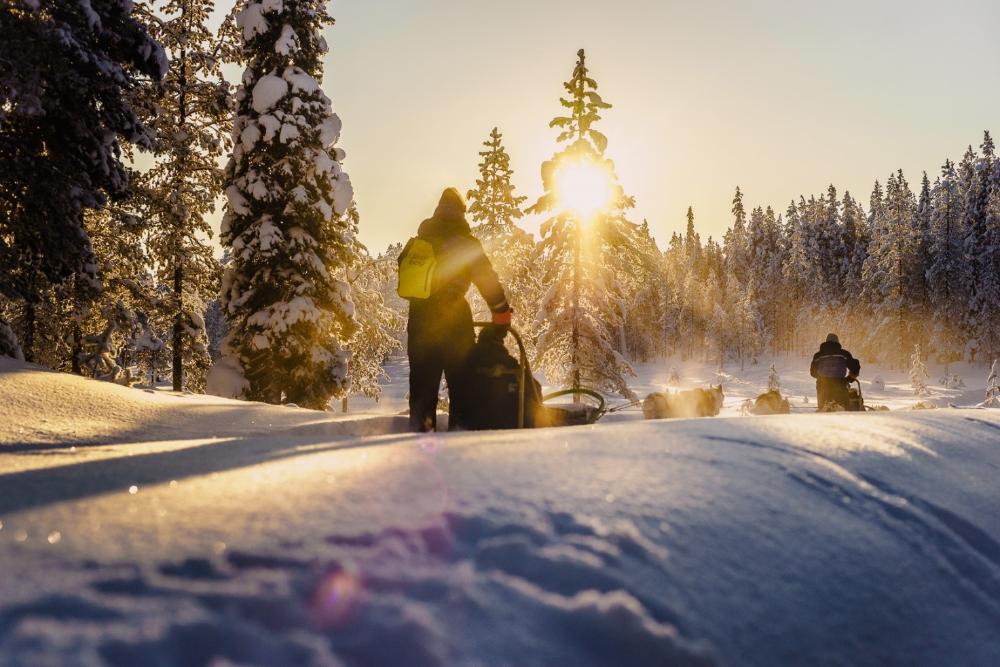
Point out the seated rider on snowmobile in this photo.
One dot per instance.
(834, 369)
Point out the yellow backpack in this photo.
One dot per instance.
(417, 264)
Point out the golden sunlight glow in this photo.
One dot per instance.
(584, 188)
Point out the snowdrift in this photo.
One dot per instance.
(805, 539)
(39, 406)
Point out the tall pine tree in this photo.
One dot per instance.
(286, 221)
(192, 126)
(579, 322)
(982, 248)
(889, 272)
(945, 267)
(379, 326)
(67, 71)
(494, 210)
(492, 203)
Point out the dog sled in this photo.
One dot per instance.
(505, 380)
(852, 400)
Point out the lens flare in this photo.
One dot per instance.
(584, 187)
(335, 597)
(429, 443)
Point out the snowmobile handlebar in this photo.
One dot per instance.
(581, 391)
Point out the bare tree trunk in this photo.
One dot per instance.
(575, 338)
(178, 333)
(77, 349)
(178, 337)
(29, 332)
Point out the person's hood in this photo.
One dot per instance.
(830, 347)
(449, 217)
(443, 227)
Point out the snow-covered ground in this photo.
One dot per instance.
(147, 528)
(800, 388)
(740, 385)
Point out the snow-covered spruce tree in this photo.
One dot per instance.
(832, 261)
(286, 221)
(773, 381)
(794, 275)
(192, 124)
(9, 346)
(648, 304)
(386, 286)
(578, 323)
(710, 297)
(682, 334)
(492, 204)
(921, 258)
(750, 327)
(494, 210)
(379, 327)
(66, 73)
(918, 372)
(817, 268)
(993, 387)
(59, 325)
(982, 249)
(855, 230)
(765, 251)
(673, 262)
(889, 271)
(736, 247)
(948, 303)
(116, 323)
(735, 243)
(969, 184)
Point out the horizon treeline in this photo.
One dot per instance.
(906, 267)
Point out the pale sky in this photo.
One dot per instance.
(780, 97)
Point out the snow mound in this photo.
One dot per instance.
(39, 407)
(225, 378)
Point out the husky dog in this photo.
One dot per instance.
(771, 403)
(693, 403)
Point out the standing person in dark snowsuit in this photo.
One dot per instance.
(440, 335)
(834, 369)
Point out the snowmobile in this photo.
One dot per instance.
(844, 396)
(850, 400)
(508, 387)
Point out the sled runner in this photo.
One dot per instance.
(587, 407)
(857, 401)
(505, 382)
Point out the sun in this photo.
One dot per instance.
(584, 187)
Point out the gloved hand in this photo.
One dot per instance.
(503, 319)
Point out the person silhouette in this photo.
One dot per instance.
(440, 333)
(834, 369)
